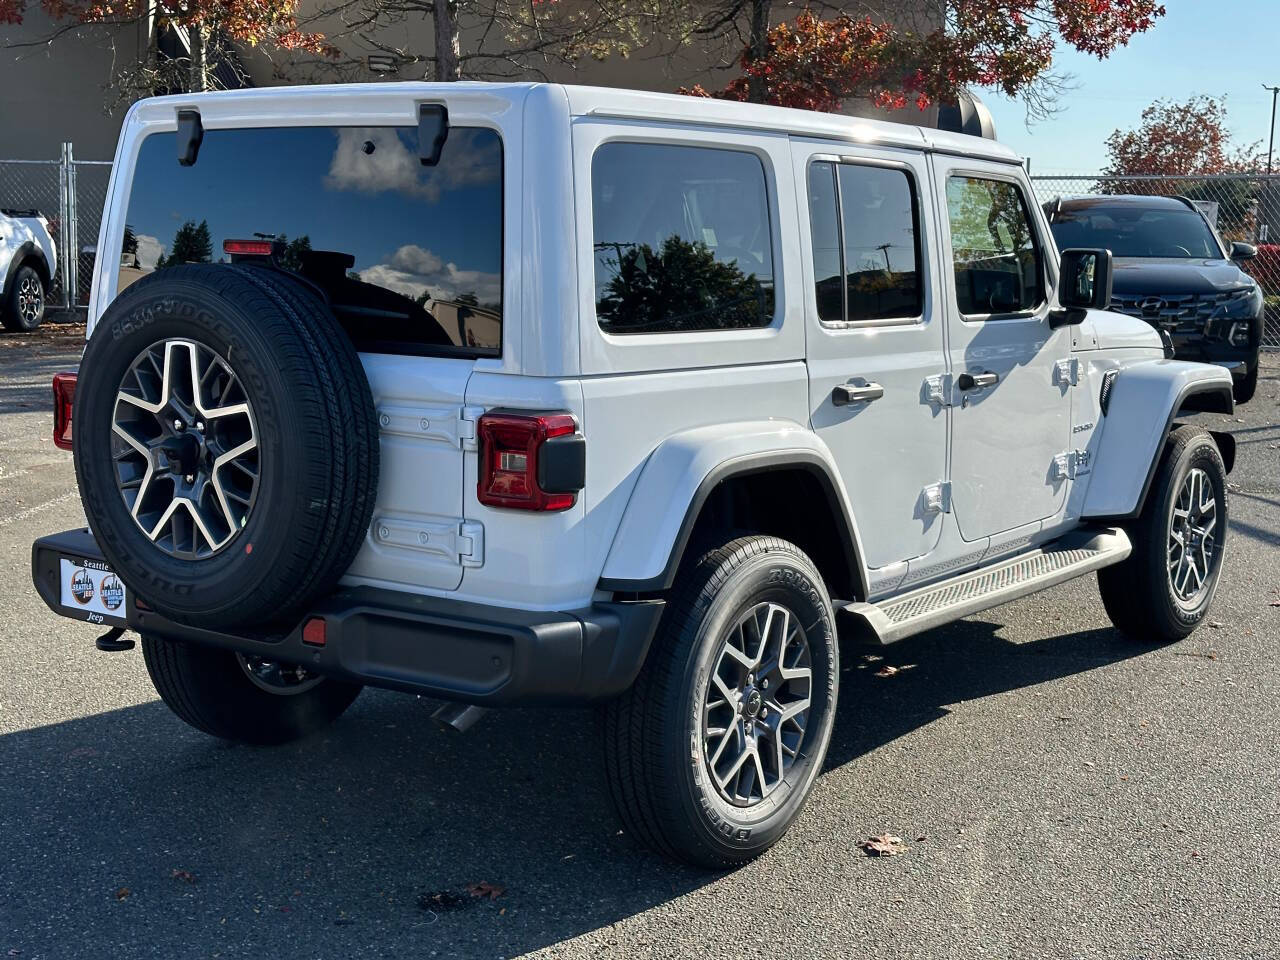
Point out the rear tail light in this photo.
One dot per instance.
(530, 461)
(64, 395)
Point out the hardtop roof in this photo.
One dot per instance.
(633, 104)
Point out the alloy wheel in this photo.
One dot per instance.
(1194, 546)
(185, 447)
(30, 299)
(756, 707)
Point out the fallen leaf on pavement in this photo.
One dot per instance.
(186, 876)
(885, 845)
(442, 901)
(1274, 603)
(888, 670)
(123, 893)
(485, 889)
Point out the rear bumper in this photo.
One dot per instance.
(470, 652)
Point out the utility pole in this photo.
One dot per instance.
(1271, 144)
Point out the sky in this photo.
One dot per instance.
(1226, 47)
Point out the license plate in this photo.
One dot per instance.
(90, 591)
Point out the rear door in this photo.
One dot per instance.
(409, 255)
(875, 340)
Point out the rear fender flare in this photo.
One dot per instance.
(1145, 402)
(681, 473)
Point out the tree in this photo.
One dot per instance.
(191, 244)
(681, 286)
(486, 39)
(1188, 139)
(1180, 139)
(211, 28)
(1006, 45)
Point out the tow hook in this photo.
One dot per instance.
(110, 641)
(458, 716)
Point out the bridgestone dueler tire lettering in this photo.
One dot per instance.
(1136, 592)
(317, 434)
(656, 781)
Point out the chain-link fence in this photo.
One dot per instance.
(1244, 208)
(71, 195)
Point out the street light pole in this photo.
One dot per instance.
(1271, 144)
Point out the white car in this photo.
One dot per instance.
(28, 260)
(515, 394)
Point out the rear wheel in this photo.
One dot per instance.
(712, 753)
(239, 698)
(1164, 589)
(24, 304)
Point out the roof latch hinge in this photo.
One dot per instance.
(1066, 373)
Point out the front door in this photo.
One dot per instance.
(1011, 405)
(874, 337)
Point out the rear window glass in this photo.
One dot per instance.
(410, 255)
(682, 239)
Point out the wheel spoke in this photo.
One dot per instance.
(756, 703)
(161, 417)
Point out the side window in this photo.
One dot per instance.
(866, 244)
(682, 239)
(993, 247)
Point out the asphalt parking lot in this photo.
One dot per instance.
(1062, 792)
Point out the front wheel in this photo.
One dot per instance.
(712, 753)
(25, 302)
(1244, 388)
(1163, 590)
(243, 699)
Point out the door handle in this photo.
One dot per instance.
(977, 381)
(847, 393)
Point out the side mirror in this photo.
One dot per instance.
(1084, 279)
(1243, 251)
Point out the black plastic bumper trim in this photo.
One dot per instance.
(475, 653)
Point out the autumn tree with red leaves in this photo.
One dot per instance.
(1007, 45)
(1180, 139)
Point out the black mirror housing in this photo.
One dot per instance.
(1084, 279)
(1243, 251)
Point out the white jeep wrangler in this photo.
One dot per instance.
(532, 394)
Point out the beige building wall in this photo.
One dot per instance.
(53, 93)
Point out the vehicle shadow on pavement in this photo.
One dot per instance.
(127, 827)
(963, 661)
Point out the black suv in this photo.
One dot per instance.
(1173, 270)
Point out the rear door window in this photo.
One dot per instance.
(410, 255)
(682, 238)
(866, 242)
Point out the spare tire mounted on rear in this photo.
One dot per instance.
(226, 444)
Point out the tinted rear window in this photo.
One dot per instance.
(682, 239)
(410, 255)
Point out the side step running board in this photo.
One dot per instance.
(911, 613)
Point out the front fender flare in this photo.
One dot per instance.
(680, 475)
(1144, 403)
